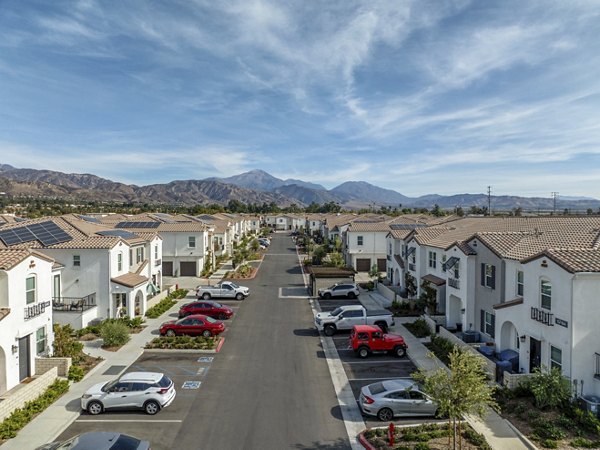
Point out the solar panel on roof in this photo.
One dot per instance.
(138, 224)
(120, 233)
(48, 233)
(89, 219)
(406, 226)
(166, 218)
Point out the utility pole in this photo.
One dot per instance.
(554, 197)
(489, 200)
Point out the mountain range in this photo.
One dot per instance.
(255, 186)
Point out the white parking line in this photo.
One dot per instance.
(386, 378)
(377, 362)
(129, 421)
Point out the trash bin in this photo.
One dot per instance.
(459, 327)
(437, 328)
(590, 403)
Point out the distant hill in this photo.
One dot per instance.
(256, 186)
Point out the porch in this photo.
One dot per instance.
(74, 304)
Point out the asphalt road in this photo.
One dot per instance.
(270, 387)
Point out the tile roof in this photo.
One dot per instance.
(4, 312)
(130, 279)
(572, 259)
(369, 226)
(433, 279)
(10, 257)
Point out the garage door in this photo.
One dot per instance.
(167, 267)
(381, 264)
(363, 265)
(188, 269)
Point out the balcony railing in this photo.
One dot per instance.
(157, 262)
(411, 267)
(74, 304)
(453, 282)
(542, 316)
(389, 257)
(36, 310)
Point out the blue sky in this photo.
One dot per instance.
(417, 96)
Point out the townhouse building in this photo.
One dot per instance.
(25, 312)
(365, 245)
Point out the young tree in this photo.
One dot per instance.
(460, 390)
(428, 297)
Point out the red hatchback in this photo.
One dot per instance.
(207, 308)
(195, 325)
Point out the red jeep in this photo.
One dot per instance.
(367, 339)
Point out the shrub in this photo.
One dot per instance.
(161, 307)
(422, 446)
(418, 328)
(544, 429)
(441, 348)
(182, 342)
(65, 345)
(550, 389)
(114, 334)
(549, 443)
(585, 419)
(75, 373)
(476, 439)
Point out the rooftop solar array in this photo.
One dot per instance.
(137, 225)
(120, 233)
(89, 219)
(366, 221)
(48, 233)
(406, 226)
(166, 218)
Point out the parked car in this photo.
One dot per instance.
(349, 290)
(98, 440)
(225, 289)
(345, 317)
(264, 241)
(208, 308)
(194, 325)
(368, 339)
(149, 391)
(392, 398)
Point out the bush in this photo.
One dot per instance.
(441, 348)
(549, 443)
(114, 334)
(418, 328)
(183, 342)
(550, 389)
(160, 308)
(586, 419)
(544, 429)
(477, 439)
(75, 373)
(422, 446)
(65, 345)
(22, 416)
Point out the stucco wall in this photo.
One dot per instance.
(26, 393)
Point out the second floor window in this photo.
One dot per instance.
(432, 259)
(76, 260)
(130, 257)
(488, 275)
(30, 290)
(139, 255)
(192, 241)
(488, 323)
(520, 284)
(359, 240)
(456, 269)
(443, 263)
(120, 262)
(156, 252)
(545, 294)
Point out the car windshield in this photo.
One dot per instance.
(333, 286)
(336, 311)
(125, 443)
(217, 305)
(210, 320)
(67, 444)
(108, 386)
(233, 285)
(376, 388)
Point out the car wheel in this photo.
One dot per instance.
(206, 333)
(327, 296)
(400, 352)
(329, 330)
(222, 316)
(351, 295)
(170, 333)
(94, 408)
(385, 414)
(206, 296)
(239, 296)
(151, 407)
(363, 352)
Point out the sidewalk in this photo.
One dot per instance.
(56, 418)
(497, 431)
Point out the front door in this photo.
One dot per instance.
(535, 354)
(24, 357)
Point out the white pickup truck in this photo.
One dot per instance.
(345, 317)
(225, 289)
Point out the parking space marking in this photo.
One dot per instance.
(206, 359)
(191, 385)
(296, 292)
(201, 371)
(385, 361)
(128, 420)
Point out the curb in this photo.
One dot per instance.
(219, 345)
(176, 350)
(363, 441)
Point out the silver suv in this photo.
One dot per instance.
(150, 391)
(340, 290)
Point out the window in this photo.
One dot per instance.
(597, 373)
(156, 251)
(30, 291)
(76, 260)
(390, 250)
(413, 258)
(546, 294)
(359, 240)
(456, 269)
(40, 340)
(130, 257)
(488, 275)
(443, 263)
(120, 261)
(139, 254)
(555, 358)
(520, 284)
(192, 241)
(488, 323)
(432, 259)
(56, 286)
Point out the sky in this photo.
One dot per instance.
(422, 97)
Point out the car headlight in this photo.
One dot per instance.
(86, 396)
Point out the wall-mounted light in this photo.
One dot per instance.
(523, 338)
(463, 310)
(15, 349)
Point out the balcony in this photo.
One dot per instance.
(542, 316)
(454, 282)
(389, 258)
(36, 310)
(74, 304)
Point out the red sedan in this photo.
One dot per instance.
(207, 308)
(195, 325)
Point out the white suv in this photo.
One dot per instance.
(150, 391)
(340, 290)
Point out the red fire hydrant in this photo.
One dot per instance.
(391, 433)
(176, 286)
